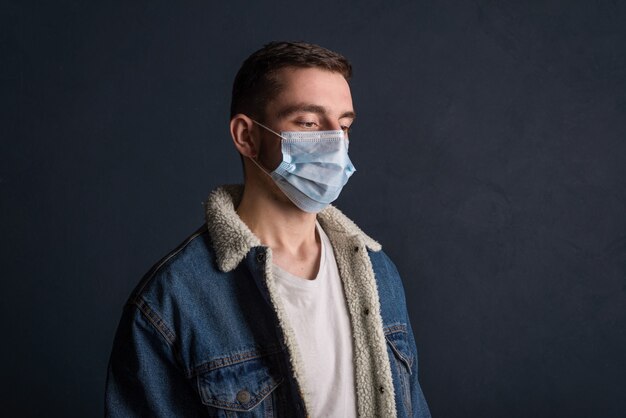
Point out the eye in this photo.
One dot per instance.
(307, 124)
(346, 129)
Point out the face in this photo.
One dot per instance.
(311, 99)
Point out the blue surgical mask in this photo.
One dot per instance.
(314, 168)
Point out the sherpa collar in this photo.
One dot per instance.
(232, 239)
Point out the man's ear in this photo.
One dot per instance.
(240, 128)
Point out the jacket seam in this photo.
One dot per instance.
(232, 360)
(402, 357)
(160, 326)
(393, 330)
(238, 406)
(157, 322)
(168, 257)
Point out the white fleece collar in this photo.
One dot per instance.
(232, 239)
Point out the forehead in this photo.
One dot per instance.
(313, 86)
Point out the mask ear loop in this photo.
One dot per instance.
(263, 169)
(271, 130)
(254, 159)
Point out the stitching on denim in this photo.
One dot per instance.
(407, 361)
(168, 257)
(161, 327)
(238, 406)
(391, 329)
(231, 360)
(398, 328)
(155, 320)
(269, 405)
(406, 389)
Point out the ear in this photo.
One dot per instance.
(240, 127)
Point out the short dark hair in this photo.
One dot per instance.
(255, 83)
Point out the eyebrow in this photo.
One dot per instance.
(310, 108)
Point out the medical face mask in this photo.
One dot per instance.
(314, 168)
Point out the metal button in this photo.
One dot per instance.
(381, 389)
(243, 396)
(260, 257)
(356, 249)
(366, 311)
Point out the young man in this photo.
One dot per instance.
(279, 306)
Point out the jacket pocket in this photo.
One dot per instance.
(244, 387)
(401, 359)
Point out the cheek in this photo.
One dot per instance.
(270, 154)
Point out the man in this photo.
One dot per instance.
(279, 305)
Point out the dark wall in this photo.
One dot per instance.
(491, 157)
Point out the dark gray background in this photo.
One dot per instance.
(491, 166)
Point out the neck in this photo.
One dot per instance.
(274, 219)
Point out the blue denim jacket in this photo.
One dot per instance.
(203, 334)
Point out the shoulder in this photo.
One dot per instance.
(385, 270)
(192, 258)
(178, 284)
(390, 288)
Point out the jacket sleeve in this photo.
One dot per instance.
(420, 407)
(144, 378)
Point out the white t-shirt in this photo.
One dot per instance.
(318, 314)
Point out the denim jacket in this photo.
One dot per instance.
(204, 334)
